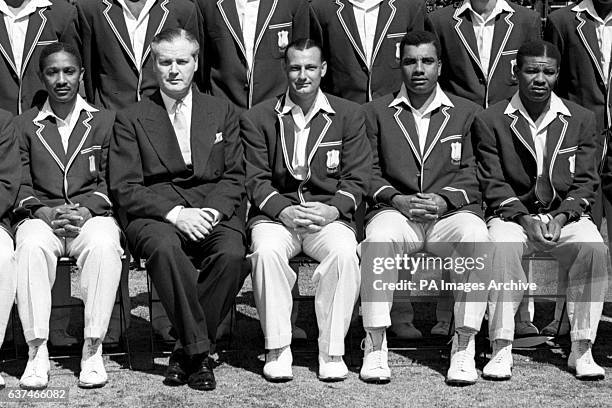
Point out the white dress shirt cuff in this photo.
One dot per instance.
(173, 215)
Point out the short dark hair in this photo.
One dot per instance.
(58, 47)
(537, 48)
(171, 34)
(419, 37)
(302, 44)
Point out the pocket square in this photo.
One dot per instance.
(218, 137)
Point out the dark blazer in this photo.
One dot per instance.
(19, 91)
(10, 169)
(111, 77)
(225, 61)
(148, 175)
(348, 75)
(399, 167)
(269, 138)
(462, 74)
(507, 166)
(51, 177)
(581, 79)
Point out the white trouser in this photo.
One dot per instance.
(8, 280)
(582, 258)
(397, 236)
(336, 280)
(97, 251)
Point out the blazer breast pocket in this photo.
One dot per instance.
(566, 159)
(393, 41)
(507, 62)
(329, 158)
(216, 161)
(42, 43)
(279, 37)
(92, 155)
(453, 147)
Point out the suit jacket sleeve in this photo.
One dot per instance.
(356, 165)
(10, 169)
(27, 202)
(126, 175)
(260, 190)
(499, 195)
(463, 189)
(380, 189)
(581, 194)
(87, 49)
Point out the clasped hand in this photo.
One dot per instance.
(308, 217)
(544, 235)
(65, 220)
(196, 223)
(420, 207)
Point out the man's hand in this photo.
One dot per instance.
(319, 213)
(537, 231)
(308, 217)
(416, 208)
(69, 219)
(437, 200)
(46, 214)
(554, 227)
(195, 223)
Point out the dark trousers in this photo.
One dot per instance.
(196, 299)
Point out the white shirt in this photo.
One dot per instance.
(137, 28)
(301, 124)
(16, 21)
(484, 29)
(539, 128)
(603, 28)
(366, 17)
(422, 116)
(65, 126)
(247, 13)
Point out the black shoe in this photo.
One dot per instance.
(176, 373)
(202, 377)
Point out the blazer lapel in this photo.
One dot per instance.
(202, 136)
(36, 25)
(588, 36)
(501, 32)
(264, 14)
(114, 16)
(287, 134)
(346, 16)
(465, 31)
(554, 139)
(157, 18)
(228, 11)
(160, 132)
(405, 121)
(5, 47)
(437, 124)
(520, 129)
(386, 13)
(52, 141)
(318, 128)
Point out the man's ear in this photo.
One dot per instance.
(196, 62)
(81, 74)
(439, 67)
(323, 68)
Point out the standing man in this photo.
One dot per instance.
(420, 130)
(63, 209)
(26, 26)
(245, 41)
(361, 39)
(10, 172)
(116, 45)
(308, 165)
(479, 42)
(176, 167)
(537, 166)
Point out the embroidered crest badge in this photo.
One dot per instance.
(456, 152)
(333, 161)
(572, 164)
(283, 40)
(397, 51)
(512, 65)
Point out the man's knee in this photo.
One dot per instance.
(32, 235)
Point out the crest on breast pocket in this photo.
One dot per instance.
(456, 153)
(333, 161)
(572, 164)
(283, 40)
(512, 65)
(397, 51)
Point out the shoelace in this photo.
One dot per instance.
(462, 344)
(584, 351)
(501, 353)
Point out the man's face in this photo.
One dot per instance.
(174, 67)
(537, 77)
(61, 75)
(304, 70)
(420, 68)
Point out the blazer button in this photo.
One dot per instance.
(364, 69)
(246, 85)
(481, 80)
(418, 175)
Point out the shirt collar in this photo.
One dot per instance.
(365, 4)
(320, 103)
(27, 10)
(500, 6)
(438, 100)
(79, 105)
(587, 5)
(556, 106)
(145, 10)
(170, 103)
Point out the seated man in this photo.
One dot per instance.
(308, 164)
(9, 185)
(176, 168)
(537, 168)
(424, 196)
(63, 210)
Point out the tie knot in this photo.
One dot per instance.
(178, 105)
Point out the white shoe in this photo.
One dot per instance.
(297, 333)
(525, 328)
(93, 374)
(278, 365)
(331, 368)
(462, 370)
(36, 373)
(499, 368)
(61, 338)
(375, 368)
(442, 328)
(553, 327)
(406, 331)
(581, 361)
